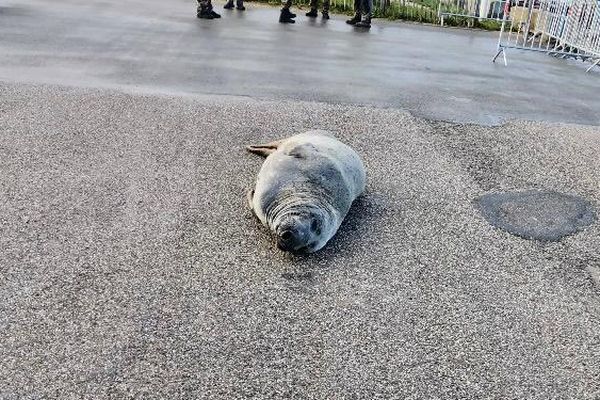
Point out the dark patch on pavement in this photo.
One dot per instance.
(539, 215)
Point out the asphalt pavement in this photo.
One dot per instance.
(156, 46)
(130, 266)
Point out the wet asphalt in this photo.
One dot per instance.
(156, 46)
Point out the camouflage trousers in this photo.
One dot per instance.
(314, 4)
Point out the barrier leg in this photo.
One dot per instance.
(500, 51)
(593, 65)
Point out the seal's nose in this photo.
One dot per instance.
(288, 240)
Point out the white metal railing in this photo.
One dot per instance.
(562, 28)
(472, 9)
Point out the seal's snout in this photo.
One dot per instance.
(289, 240)
(299, 233)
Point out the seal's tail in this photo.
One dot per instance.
(264, 149)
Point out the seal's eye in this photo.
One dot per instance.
(314, 226)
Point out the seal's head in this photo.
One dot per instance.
(305, 231)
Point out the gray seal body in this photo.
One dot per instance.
(305, 188)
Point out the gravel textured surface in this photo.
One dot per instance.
(131, 267)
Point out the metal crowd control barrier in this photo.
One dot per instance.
(474, 9)
(561, 28)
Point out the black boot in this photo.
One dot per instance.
(286, 16)
(239, 4)
(204, 13)
(214, 14)
(325, 14)
(354, 20)
(229, 5)
(365, 23)
(312, 13)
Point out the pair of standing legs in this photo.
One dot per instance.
(205, 10)
(286, 16)
(314, 5)
(239, 4)
(362, 8)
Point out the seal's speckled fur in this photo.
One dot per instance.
(306, 187)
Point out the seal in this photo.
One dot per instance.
(305, 188)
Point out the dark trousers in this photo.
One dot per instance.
(364, 7)
(204, 4)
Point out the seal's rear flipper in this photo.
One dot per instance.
(264, 149)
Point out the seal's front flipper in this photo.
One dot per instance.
(250, 197)
(264, 149)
